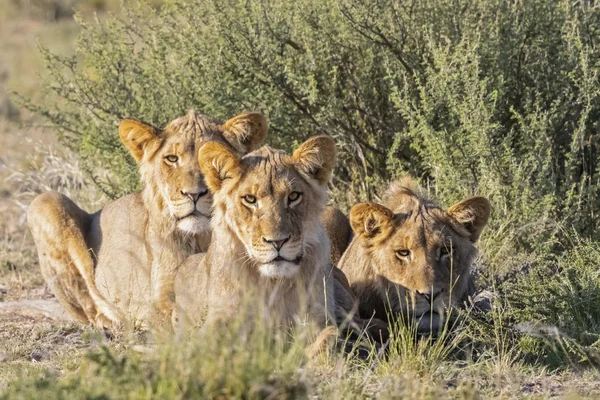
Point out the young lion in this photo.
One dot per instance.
(411, 255)
(267, 237)
(137, 241)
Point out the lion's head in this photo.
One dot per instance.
(271, 201)
(420, 254)
(168, 162)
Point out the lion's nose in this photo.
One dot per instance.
(276, 243)
(431, 294)
(194, 196)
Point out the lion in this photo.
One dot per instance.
(339, 231)
(410, 257)
(117, 265)
(267, 238)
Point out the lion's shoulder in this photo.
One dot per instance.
(337, 226)
(125, 214)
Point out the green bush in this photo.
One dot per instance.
(491, 97)
(559, 300)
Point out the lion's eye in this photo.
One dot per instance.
(402, 253)
(294, 196)
(445, 250)
(172, 158)
(249, 199)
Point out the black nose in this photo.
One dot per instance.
(431, 295)
(278, 243)
(195, 196)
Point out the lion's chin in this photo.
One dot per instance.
(194, 223)
(279, 269)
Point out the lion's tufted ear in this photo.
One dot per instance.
(473, 214)
(136, 136)
(218, 164)
(316, 158)
(372, 222)
(246, 131)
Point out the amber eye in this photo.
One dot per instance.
(249, 199)
(172, 158)
(294, 196)
(402, 253)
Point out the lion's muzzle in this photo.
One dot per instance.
(192, 211)
(277, 258)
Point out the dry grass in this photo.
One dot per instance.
(20, 66)
(31, 346)
(30, 163)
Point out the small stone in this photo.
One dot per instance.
(3, 357)
(36, 356)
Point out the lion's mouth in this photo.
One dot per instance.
(280, 267)
(280, 258)
(196, 214)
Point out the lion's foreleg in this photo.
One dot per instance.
(58, 227)
(325, 341)
(107, 315)
(165, 259)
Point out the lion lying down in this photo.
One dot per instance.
(267, 238)
(412, 258)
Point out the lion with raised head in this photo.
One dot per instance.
(410, 256)
(267, 237)
(117, 264)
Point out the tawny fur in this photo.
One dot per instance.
(410, 256)
(338, 228)
(213, 288)
(116, 266)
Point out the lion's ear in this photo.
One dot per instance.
(316, 158)
(372, 222)
(137, 136)
(218, 164)
(473, 214)
(246, 131)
